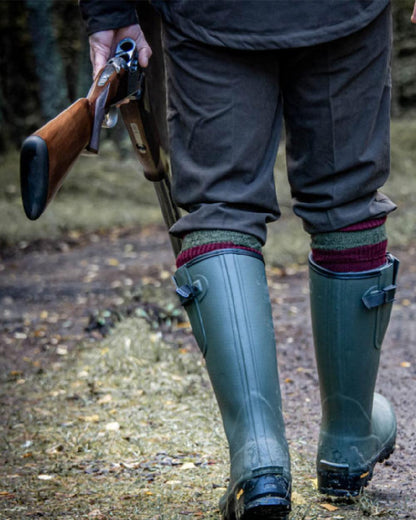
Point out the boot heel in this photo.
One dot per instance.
(263, 497)
(337, 480)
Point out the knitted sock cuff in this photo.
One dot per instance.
(200, 242)
(356, 248)
(342, 240)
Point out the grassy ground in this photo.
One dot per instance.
(128, 429)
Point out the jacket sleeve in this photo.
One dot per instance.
(100, 15)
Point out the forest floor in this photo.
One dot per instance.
(106, 410)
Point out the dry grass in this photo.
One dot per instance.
(127, 428)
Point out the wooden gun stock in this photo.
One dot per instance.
(47, 155)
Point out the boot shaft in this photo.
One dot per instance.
(226, 297)
(350, 313)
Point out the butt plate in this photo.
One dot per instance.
(34, 176)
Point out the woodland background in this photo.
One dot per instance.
(44, 63)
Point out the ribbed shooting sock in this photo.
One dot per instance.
(360, 247)
(200, 242)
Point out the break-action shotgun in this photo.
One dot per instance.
(48, 154)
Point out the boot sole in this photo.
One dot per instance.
(277, 511)
(264, 497)
(271, 512)
(337, 480)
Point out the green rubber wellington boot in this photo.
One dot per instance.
(350, 314)
(226, 297)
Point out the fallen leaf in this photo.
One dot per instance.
(183, 325)
(45, 477)
(6, 494)
(405, 364)
(187, 465)
(112, 426)
(105, 399)
(91, 418)
(329, 507)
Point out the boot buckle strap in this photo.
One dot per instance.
(187, 293)
(375, 298)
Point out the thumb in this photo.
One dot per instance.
(98, 60)
(100, 49)
(144, 56)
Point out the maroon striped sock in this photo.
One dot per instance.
(191, 253)
(355, 248)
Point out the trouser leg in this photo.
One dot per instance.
(337, 115)
(224, 125)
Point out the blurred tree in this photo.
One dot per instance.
(73, 45)
(404, 58)
(53, 91)
(18, 82)
(44, 64)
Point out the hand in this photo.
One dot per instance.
(104, 43)
(413, 18)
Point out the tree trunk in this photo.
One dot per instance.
(53, 92)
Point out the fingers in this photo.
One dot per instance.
(135, 33)
(100, 49)
(104, 43)
(144, 56)
(413, 18)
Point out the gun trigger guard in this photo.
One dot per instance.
(110, 118)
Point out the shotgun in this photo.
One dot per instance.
(48, 154)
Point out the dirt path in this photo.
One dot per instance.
(51, 292)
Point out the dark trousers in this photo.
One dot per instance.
(225, 113)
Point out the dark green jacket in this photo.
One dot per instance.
(244, 24)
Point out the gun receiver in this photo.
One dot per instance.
(48, 154)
